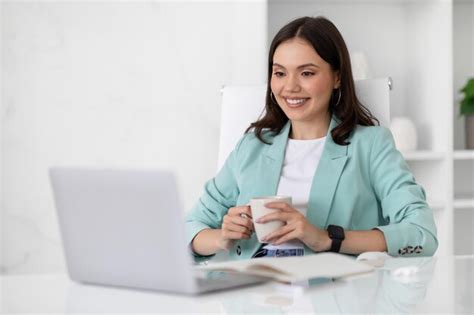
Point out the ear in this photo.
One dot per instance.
(337, 79)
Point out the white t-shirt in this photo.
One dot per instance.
(301, 161)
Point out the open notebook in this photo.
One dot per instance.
(291, 269)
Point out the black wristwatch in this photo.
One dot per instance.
(336, 234)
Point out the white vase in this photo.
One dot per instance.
(404, 133)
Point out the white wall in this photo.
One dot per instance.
(113, 84)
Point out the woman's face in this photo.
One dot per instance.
(302, 81)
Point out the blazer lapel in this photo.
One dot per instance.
(325, 180)
(270, 164)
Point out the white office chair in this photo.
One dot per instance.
(242, 105)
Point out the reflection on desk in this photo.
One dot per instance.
(428, 285)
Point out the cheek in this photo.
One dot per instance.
(319, 88)
(275, 87)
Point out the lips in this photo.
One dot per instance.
(295, 102)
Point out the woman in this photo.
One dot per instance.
(352, 190)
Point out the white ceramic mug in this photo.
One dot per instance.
(258, 209)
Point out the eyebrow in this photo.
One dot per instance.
(299, 67)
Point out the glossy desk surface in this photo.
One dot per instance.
(438, 285)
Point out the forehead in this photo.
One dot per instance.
(295, 52)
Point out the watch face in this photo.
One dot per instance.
(336, 232)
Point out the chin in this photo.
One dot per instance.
(297, 118)
(304, 117)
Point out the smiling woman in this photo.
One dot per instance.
(303, 91)
(352, 191)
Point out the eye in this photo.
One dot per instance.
(307, 73)
(278, 74)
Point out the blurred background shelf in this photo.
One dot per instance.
(464, 203)
(464, 200)
(424, 156)
(463, 155)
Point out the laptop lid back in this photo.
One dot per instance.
(123, 228)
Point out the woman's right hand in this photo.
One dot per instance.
(237, 224)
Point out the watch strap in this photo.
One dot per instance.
(336, 233)
(335, 245)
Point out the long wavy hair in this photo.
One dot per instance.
(327, 41)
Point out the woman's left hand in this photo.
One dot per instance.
(296, 227)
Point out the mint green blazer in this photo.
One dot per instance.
(364, 185)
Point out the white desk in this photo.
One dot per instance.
(442, 285)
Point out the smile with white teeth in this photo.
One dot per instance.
(295, 101)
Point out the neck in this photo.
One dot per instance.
(308, 130)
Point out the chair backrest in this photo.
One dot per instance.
(242, 105)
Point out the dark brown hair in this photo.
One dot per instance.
(326, 40)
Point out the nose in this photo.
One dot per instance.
(292, 84)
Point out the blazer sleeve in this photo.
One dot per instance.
(411, 229)
(220, 194)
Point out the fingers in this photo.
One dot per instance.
(282, 235)
(271, 237)
(237, 211)
(235, 232)
(246, 222)
(285, 238)
(285, 214)
(296, 228)
(274, 216)
(242, 216)
(283, 206)
(235, 226)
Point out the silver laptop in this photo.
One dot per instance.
(126, 228)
